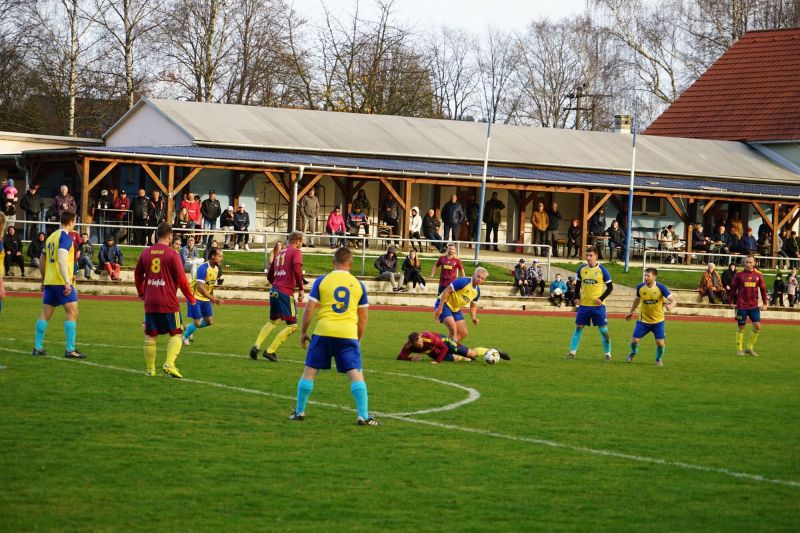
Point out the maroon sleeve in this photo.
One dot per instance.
(763, 288)
(138, 275)
(405, 354)
(734, 288)
(298, 271)
(183, 283)
(440, 349)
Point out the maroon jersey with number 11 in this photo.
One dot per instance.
(286, 271)
(158, 276)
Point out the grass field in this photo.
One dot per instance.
(708, 442)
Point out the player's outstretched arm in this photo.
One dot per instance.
(473, 313)
(671, 302)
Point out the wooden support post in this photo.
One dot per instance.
(85, 190)
(775, 228)
(708, 206)
(407, 213)
(189, 177)
(393, 192)
(309, 185)
(584, 221)
(155, 178)
(170, 193)
(278, 185)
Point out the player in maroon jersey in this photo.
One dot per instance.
(743, 295)
(158, 276)
(451, 266)
(285, 273)
(439, 348)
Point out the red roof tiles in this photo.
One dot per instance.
(751, 93)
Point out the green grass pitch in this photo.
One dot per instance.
(708, 442)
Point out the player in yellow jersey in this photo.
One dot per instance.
(203, 283)
(595, 285)
(2, 259)
(650, 296)
(57, 266)
(460, 293)
(340, 302)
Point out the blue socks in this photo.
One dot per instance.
(359, 391)
(41, 328)
(605, 338)
(634, 348)
(191, 328)
(659, 352)
(576, 340)
(71, 331)
(304, 388)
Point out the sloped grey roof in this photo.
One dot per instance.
(228, 125)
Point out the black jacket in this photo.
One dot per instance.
(226, 219)
(140, 206)
(210, 209)
(12, 244)
(158, 211)
(555, 220)
(241, 221)
(453, 213)
(31, 203)
(430, 225)
(35, 248)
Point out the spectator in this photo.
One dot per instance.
(110, 258)
(557, 291)
(735, 227)
(414, 228)
(473, 213)
(536, 278)
(430, 229)
(711, 285)
(748, 244)
(722, 241)
(362, 202)
(622, 217)
(727, 279)
(616, 240)
(210, 246)
(140, 207)
(102, 216)
(792, 284)
(276, 249)
(355, 221)
(452, 216)
(226, 224)
(309, 209)
(76, 244)
(33, 205)
(540, 220)
(210, 210)
(87, 253)
(10, 201)
(12, 244)
(700, 242)
(190, 256)
(668, 240)
(122, 205)
(572, 291)
(597, 226)
(241, 223)
(387, 269)
(521, 278)
(182, 224)
(158, 214)
(193, 209)
(791, 246)
(36, 249)
(554, 222)
(764, 232)
(335, 226)
(574, 238)
(63, 202)
(778, 290)
(492, 216)
(391, 215)
(412, 271)
(176, 244)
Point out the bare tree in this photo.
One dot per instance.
(496, 63)
(454, 72)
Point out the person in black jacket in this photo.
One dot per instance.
(430, 229)
(412, 271)
(241, 223)
(552, 228)
(211, 210)
(140, 207)
(616, 240)
(35, 249)
(158, 214)
(12, 245)
(33, 206)
(452, 216)
(226, 225)
(574, 238)
(597, 225)
(101, 216)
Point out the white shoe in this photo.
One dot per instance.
(247, 247)
(185, 341)
(607, 357)
(235, 246)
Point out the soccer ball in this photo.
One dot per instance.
(491, 357)
(557, 292)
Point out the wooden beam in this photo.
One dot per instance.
(585, 221)
(709, 205)
(189, 177)
(277, 184)
(155, 179)
(100, 176)
(763, 214)
(774, 225)
(309, 185)
(239, 183)
(788, 216)
(84, 189)
(600, 204)
(170, 193)
(358, 185)
(404, 224)
(393, 192)
(678, 211)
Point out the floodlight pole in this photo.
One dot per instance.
(629, 229)
(479, 231)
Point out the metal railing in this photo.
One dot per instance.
(682, 261)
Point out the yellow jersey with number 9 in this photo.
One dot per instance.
(58, 240)
(339, 295)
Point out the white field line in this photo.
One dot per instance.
(484, 432)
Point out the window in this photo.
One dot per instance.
(649, 205)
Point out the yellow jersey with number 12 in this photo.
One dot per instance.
(58, 240)
(339, 295)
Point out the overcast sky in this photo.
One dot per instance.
(472, 15)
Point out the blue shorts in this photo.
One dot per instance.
(347, 353)
(446, 312)
(54, 295)
(199, 310)
(281, 307)
(591, 315)
(753, 314)
(643, 329)
(156, 324)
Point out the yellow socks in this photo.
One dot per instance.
(481, 351)
(173, 349)
(751, 342)
(150, 354)
(739, 340)
(264, 333)
(281, 337)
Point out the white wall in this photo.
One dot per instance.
(147, 127)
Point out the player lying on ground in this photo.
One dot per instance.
(460, 293)
(203, 282)
(440, 348)
(651, 295)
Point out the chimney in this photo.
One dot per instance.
(622, 124)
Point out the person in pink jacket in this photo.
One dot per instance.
(335, 226)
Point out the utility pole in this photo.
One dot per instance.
(585, 106)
